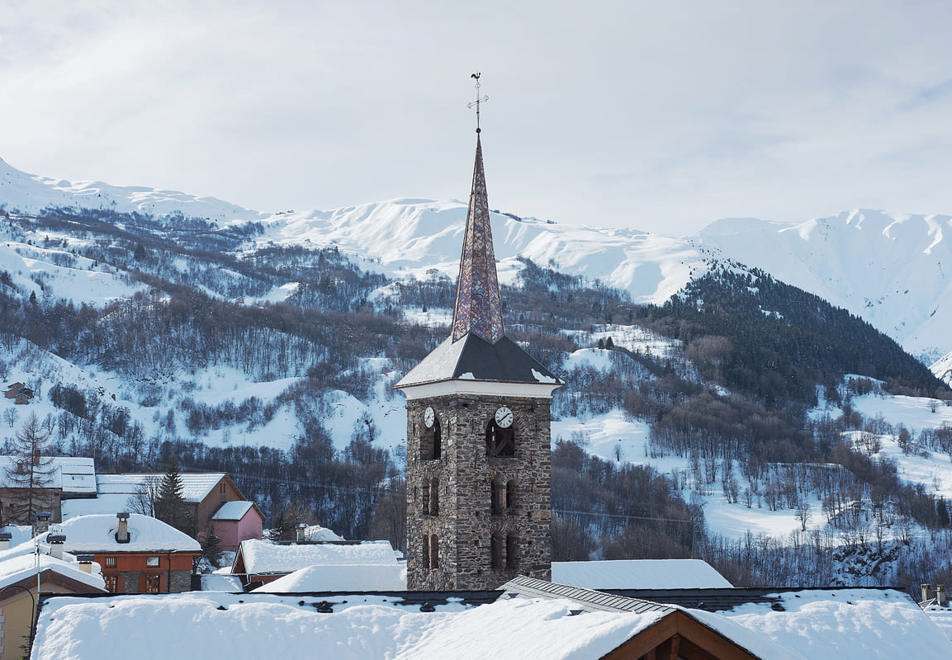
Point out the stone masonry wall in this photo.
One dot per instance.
(465, 523)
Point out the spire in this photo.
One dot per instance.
(478, 309)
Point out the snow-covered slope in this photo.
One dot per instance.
(30, 193)
(942, 368)
(893, 271)
(890, 270)
(412, 236)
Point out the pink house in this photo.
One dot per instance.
(235, 522)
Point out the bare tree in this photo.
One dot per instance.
(30, 473)
(144, 499)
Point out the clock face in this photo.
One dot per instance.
(429, 416)
(504, 417)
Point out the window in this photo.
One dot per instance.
(498, 497)
(500, 441)
(512, 552)
(511, 497)
(152, 562)
(112, 582)
(425, 499)
(431, 441)
(496, 548)
(434, 552)
(110, 562)
(434, 497)
(426, 552)
(153, 584)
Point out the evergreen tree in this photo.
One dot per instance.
(30, 473)
(170, 506)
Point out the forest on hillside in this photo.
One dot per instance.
(732, 400)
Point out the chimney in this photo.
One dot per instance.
(42, 522)
(926, 588)
(5, 540)
(122, 536)
(300, 532)
(86, 563)
(940, 595)
(56, 542)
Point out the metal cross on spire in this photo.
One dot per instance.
(478, 101)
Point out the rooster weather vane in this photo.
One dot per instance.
(478, 101)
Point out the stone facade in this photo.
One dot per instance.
(479, 545)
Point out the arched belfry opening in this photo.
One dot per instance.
(478, 436)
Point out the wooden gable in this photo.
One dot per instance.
(679, 636)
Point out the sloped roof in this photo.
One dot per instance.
(588, 599)
(71, 474)
(263, 557)
(97, 533)
(195, 485)
(233, 510)
(340, 577)
(639, 574)
(474, 358)
(24, 566)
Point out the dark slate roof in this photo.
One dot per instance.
(587, 599)
(474, 358)
(715, 600)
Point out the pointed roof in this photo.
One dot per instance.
(478, 309)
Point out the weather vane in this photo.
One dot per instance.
(479, 99)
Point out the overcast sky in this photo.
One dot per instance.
(655, 116)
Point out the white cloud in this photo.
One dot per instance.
(660, 117)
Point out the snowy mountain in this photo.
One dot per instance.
(888, 270)
(30, 193)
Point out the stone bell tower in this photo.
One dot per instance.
(478, 455)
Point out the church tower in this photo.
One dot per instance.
(478, 455)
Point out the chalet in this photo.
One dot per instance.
(60, 478)
(204, 493)
(20, 393)
(20, 571)
(138, 554)
(260, 562)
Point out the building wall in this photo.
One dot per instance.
(16, 618)
(233, 532)
(224, 491)
(174, 570)
(13, 502)
(465, 523)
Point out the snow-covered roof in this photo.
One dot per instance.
(263, 557)
(97, 533)
(270, 626)
(474, 358)
(340, 577)
(73, 475)
(845, 624)
(315, 533)
(233, 510)
(24, 565)
(195, 485)
(110, 504)
(639, 574)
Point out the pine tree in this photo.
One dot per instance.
(170, 506)
(30, 472)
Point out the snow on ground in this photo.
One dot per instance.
(933, 471)
(219, 582)
(81, 283)
(615, 434)
(915, 413)
(942, 368)
(431, 318)
(278, 294)
(203, 624)
(637, 340)
(599, 359)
